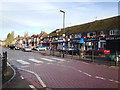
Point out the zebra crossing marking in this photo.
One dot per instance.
(58, 59)
(47, 59)
(36, 61)
(22, 62)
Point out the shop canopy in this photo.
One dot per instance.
(77, 40)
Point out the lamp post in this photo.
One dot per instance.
(63, 29)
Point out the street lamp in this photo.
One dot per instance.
(63, 28)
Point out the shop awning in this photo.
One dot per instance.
(77, 40)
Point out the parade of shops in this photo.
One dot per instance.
(97, 34)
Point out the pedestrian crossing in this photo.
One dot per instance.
(39, 61)
(36, 61)
(23, 62)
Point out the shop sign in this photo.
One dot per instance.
(91, 39)
(112, 38)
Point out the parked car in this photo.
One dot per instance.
(98, 51)
(26, 49)
(59, 47)
(11, 47)
(17, 48)
(32, 47)
(73, 50)
(41, 48)
(64, 48)
(113, 56)
(14, 47)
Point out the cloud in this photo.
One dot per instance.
(60, 0)
(36, 16)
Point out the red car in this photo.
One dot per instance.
(98, 51)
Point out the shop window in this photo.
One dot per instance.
(70, 36)
(60, 37)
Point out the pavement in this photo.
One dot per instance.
(10, 82)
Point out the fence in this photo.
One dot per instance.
(4, 64)
(80, 55)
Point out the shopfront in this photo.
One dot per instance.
(77, 42)
(91, 43)
(113, 43)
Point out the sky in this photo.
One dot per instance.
(34, 16)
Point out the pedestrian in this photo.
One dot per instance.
(82, 52)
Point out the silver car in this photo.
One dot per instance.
(27, 49)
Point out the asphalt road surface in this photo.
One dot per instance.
(53, 72)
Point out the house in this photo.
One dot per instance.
(96, 34)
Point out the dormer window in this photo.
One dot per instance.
(114, 32)
(77, 35)
(102, 33)
(91, 34)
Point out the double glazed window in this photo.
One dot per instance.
(114, 32)
(77, 35)
(91, 34)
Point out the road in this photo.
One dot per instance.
(53, 72)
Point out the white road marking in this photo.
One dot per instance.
(36, 61)
(31, 86)
(58, 59)
(47, 59)
(117, 81)
(84, 62)
(22, 77)
(37, 76)
(100, 77)
(111, 80)
(49, 63)
(79, 70)
(87, 74)
(22, 62)
(24, 66)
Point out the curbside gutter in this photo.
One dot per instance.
(14, 71)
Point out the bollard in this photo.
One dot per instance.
(93, 56)
(50, 51)
(117, 59)
(53, 51)
(4, 63)
(63, 53)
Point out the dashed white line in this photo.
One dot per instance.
(87, 74)
(22, 77)
(111, 80)
(79, 70)
(117, 81)
(31, 86)
(100, 77)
